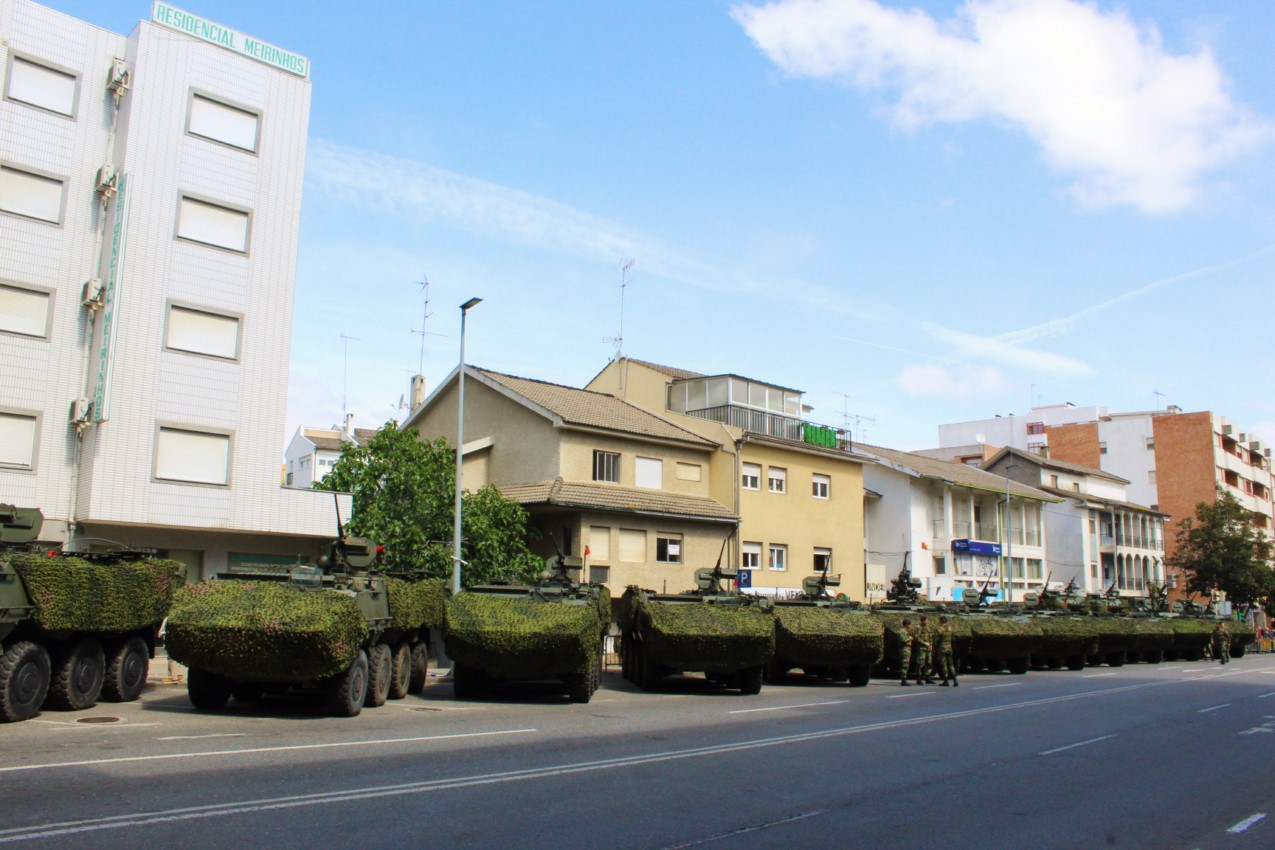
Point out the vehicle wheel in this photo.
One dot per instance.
(840, 674)
(1075, 662)
(380, 670)
(1054, 663)
(466, 682)
(77, 676)
(1237, 650)
(401, 677)
(1018, 666)
(996, 665)
(750, 680)
(24, 680)
(126, 669)
(1115, 659)
(651, 674)
(207, 691)
(1153, 656)
(577, 687)
(1193, 654)
(348, 690)
(420, 667)
(1093, 660)
(860, 675)
(1171, 655)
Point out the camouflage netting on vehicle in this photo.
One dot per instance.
(416, 604)
(706, 636)
(893, 623)
(1242, 634)
(1152, 634)
(1192, 632)
(264, 631)
(1117, 634)
(826, 637)
(1065, 637)
(79, 595)
(1002, 637)
(520, 637)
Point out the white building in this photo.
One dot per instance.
(150, 200)
(1095, 535)
(946, 521)
(313, 452)
(964, 441)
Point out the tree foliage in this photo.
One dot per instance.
(404, 499)
(1220, 548)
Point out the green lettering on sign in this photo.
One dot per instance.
(214, 33)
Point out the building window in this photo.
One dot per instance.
(819, 485)
(1102, 448)
(778, 556)
(1093, 570)
(778, 479)
(1053, 481)
(822, 560)
(287, 482)
(19, 433)
(1036, 448)
(221, 122)
(201, 332)
(24, 311)
(750, 479)
(750, 556)
(688, 471)
(601, 575)
(31, 195)
(1034, 569)
(632, 545)
(193, 456)
(668, 548)
(212, 224)
(1150, 442)
(39, 85)
(940, 565)
(650, 473)
(1075, 487)
(1150, 476)
(600, 542)
(1035, 427)
(606, 466)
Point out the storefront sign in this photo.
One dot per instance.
(964, 545)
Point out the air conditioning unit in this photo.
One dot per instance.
(1226, 430)
(107, 180)
(91, 294)
(81, 409)
(1256, 445)
(1243, 438)
(117, 81)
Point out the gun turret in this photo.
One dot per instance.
(19, 526)
(984, 593)
(710, 581)
(348, 554)
(816, 586)
(904, 588)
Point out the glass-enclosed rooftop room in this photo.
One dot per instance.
(752, 406)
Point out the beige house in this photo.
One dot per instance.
(796, 486)
(602, 478)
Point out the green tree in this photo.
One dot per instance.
(404, 499)
(1220, 548)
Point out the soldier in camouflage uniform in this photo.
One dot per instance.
(907, 637)
(924, 643)
(944, 644)
(1221, 643)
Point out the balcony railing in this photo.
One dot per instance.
(775, 425)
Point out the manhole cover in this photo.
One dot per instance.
(98, 720)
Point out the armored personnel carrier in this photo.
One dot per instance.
(827, 638)
(552, 629)
(727, 635)
(74, 626)
(339, 626)
(903, 602)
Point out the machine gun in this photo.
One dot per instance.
(710, 581)
(19, 527)
(816, 586)
(904, 588)
(562, 570)
(984, 594)
(343, 555)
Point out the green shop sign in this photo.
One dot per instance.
(213, 33)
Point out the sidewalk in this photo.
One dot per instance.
(165, 672)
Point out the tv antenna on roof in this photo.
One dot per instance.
(345, 369)
(625, 267)
(847, 418)
(1158, 395)
(423, 283)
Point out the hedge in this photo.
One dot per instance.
(416, 604)
(826, 637)
(521, 637)
(706, 636)
(264, 631)
(69, 593)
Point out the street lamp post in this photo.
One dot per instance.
(460, 443)
(1009, 540)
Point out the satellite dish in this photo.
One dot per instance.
(981, 437)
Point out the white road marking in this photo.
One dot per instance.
(1167, 669)
(1213, 708)
(1243, 825)
(1096, 675)
(786, 707)
(1077, 744)
(1264, 696)
(255, 750)
(76, 724)
(1006, 685)
(199, 737)
(913, 694)
(50, 830)
(743, 830)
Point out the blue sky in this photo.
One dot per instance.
(917, 213)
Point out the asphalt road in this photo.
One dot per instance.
(1177, 755)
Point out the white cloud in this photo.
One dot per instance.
(967, 382)
(1108, 106)
(1005, 349)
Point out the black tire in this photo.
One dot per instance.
(251, 693)
(1093, 660)
(380, 672)
(1193, 654)
(401, 674)
(1054, 663)
(1153, 656)
(860, 675)
(577, 687)
(25, 673)
(1018, 666)
(207, 691)
(348, 690)
(1116, 659)
(1171, 655)
(1237, 650)
(466, 682)
(1075, 662)
(78, 673)
(750, 680)
(995, 665)
(420, 667)
(126, 669)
